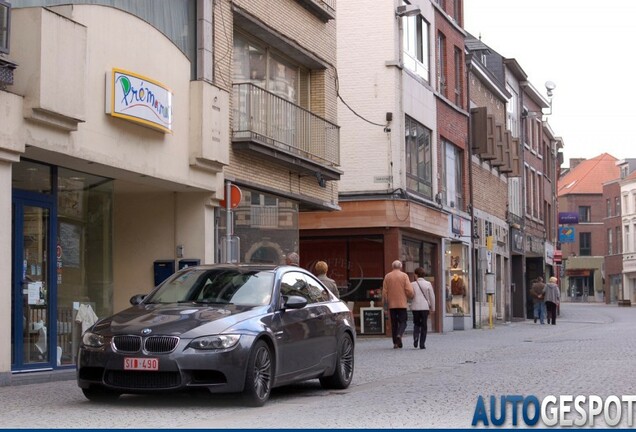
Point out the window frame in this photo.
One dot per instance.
(5, 27)
(585, 244)
(453, 166)
(585, 214)
(416, 46)
(423, 180)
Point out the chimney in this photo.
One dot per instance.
(575, 161)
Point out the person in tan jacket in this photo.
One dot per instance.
(396, 291)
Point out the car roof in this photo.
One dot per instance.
(247, 266)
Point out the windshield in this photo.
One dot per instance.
(216, 286)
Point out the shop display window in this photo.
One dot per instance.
(457, 295)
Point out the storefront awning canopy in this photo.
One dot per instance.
(577, 272)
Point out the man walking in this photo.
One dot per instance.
(396, 291)
(537, 292)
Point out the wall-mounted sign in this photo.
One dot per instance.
(568, 218)
(139, 99)
(566, 234)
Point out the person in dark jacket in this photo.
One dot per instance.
(537, 292)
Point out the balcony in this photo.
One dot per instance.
(323, 9)
(265, 123)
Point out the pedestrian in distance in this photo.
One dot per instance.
(292, 259)
(320, 270)
(423, 303)
(537, 292)
(552, 299)
(396, 292)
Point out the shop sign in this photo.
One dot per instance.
(534, 245)
(139, 99)
(568, 218)
(566, 234)
(549, 253)
(517, 241)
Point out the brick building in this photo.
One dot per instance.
(585, 244)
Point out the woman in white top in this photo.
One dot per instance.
(423, 303)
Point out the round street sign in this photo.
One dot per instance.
(235, 197)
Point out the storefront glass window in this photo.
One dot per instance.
(457, 294)
(84, 256)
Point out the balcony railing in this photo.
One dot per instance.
(269, 120)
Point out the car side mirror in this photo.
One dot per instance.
(295, 302)
(136, 299)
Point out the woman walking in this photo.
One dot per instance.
(552, 299)
(423, 303)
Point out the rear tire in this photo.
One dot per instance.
(100, 394)
(343, 373)
(259, 375)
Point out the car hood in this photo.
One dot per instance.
(177, 319)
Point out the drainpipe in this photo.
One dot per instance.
(471, 209)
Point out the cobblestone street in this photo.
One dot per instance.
(589, 352)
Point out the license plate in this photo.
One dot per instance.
(149, 364)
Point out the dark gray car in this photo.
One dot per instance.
(224, 328)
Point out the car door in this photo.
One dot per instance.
(297, 330)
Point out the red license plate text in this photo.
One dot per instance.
(133, 363)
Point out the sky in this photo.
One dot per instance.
(586, 48)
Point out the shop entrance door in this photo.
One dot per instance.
(32, 287)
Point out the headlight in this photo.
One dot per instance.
(93, 340)
(214, 342)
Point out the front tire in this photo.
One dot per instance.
(343, 373)
(259, 375)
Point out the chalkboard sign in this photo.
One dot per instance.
(371, 320)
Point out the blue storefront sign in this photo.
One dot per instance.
(566, 234)
(568, 218)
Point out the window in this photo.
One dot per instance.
(458, 77)
(5, 21)
(617, 205)
(441, 64)
(529, 191)
(585, 214)
(585, 244)
(457, 12)
(512, 107)
(619, 248)
(608, 205)
(626, 246)
(419, 167)
(262, 66)
(453, 170)
(295, 283)
(610, 249)
(416, 45)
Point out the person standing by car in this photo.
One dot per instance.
(552, 299)
(320, 270)
(396, 291)
(423, 303)
(537, 292)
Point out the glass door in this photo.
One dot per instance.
(33, 287)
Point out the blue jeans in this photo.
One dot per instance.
(539, 311)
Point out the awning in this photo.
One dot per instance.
(577, 272)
